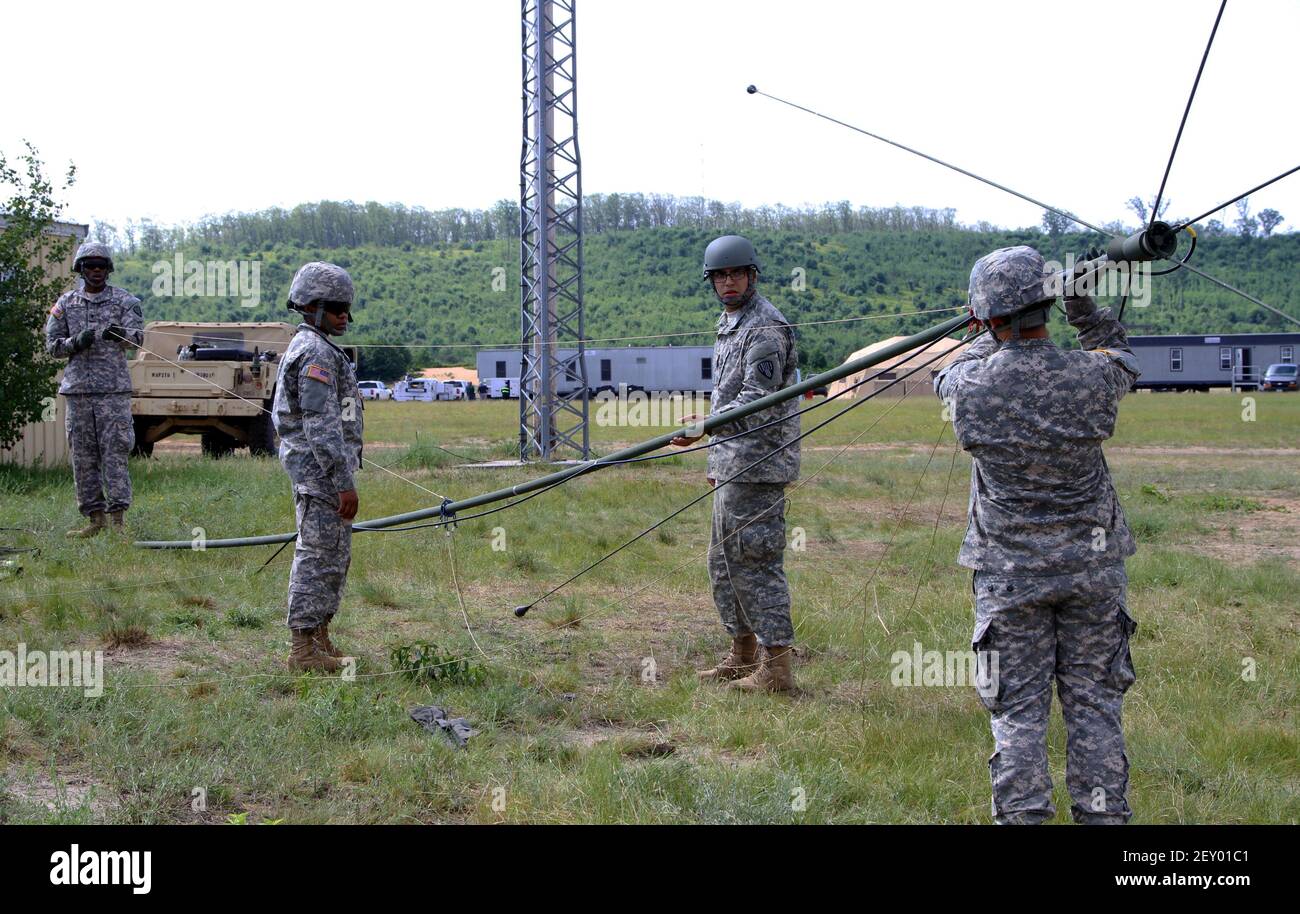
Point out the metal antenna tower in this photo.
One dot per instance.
(552, 388)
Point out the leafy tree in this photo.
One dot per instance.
(383, 363)
(1055, 224)
(1269, 219)
(30, 258)
(1246, 224)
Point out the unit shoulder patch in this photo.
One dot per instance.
(767, 368)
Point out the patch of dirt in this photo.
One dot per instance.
(1203, 450)
(1251, 536)
(908, 447)
(631, 742)
(61, 792)
(162, 657)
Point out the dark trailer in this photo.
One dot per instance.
(1234, 360)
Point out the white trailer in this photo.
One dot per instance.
(650, 368)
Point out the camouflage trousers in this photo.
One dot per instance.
(320, 561)
(746, 555)
(101, 434)
(1074, 629)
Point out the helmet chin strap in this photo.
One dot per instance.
(746, 295)
(1015, 322)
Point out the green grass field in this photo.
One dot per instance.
(588, 709)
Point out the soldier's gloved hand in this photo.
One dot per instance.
(84, 340)
(116, 332)
(348, 504)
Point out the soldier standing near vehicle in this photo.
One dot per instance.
(318, 415)
(754, 355)
(1047, 536)
(92, 326)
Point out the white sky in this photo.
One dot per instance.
(173, 111)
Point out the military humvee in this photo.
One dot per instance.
(216, 380)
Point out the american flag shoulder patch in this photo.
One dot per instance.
(57, 310)
(316, 373)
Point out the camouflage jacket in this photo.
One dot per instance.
(102, 368)
(318, 415)
(755, 355)
(1033, 417)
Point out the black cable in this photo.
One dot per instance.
(1155, 209)
(1245, 295)
(1181, 263)
(1235, 199)
(754, 90)
(521, 610)
(451, 522)
(714, 443)
(276, 553)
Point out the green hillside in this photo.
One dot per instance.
(645, 279)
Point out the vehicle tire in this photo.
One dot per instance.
(262, 440)
(142, 448)
(217, 444)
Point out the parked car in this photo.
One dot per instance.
(425, 390)
(375, 390)
(1281, 376)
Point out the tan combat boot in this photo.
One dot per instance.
(117, 521)
(772, 676)
(91, 529)
(307, 655)
(740, 661)
(323, 642)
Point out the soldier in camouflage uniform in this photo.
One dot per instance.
(92, 327)
(317, 413)
(1047, 537)
(754, 355)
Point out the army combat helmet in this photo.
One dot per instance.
(729, 252)
(325, 284)
(92, 250)
(1008, 283)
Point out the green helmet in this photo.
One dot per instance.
(728, 252)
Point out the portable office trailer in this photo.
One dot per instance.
(651, 368)
(1234, 360)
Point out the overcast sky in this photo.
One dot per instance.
(177, 110)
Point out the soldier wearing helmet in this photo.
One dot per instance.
(92, 326)
(1047, 537)
(317, 413)
(754, 355)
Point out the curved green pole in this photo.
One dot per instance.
(904, 345)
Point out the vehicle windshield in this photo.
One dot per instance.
(1282, 369)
